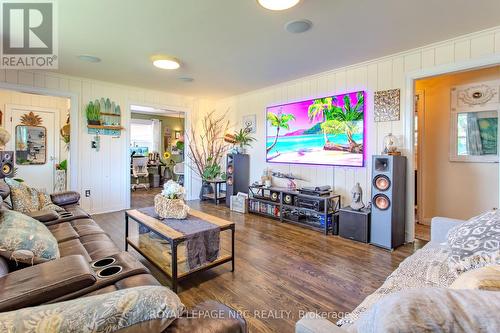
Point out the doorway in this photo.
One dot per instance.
(40, 134)
(456, 145)
(157, 151)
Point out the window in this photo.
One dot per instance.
(141, 133)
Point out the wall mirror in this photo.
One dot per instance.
(31, 145)
(474, 136)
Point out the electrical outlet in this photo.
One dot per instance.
(87, 193)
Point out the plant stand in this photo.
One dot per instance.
(218, 194)
(60, 181)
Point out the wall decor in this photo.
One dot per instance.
(474, 122)
(103, 117)
(31, 144)
(250, 122)
(31, 119)
(177, 135)
(387, 105)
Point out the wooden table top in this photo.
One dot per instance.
(170, 233)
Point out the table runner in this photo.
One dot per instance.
(202, 237)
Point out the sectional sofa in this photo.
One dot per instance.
(91, 264)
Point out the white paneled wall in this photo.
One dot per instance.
(104, 173)
(379, 74)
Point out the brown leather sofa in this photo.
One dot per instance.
(81, 271)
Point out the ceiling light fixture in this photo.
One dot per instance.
(165, 62)
(89, 58)
(298, 26)
(186, 79)
(278, 4)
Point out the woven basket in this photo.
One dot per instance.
(170, 208)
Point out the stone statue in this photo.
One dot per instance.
(357, 198)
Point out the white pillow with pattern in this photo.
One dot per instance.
(475, 243)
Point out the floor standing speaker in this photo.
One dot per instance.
(6, 164)
(238, 175)
(387, 228)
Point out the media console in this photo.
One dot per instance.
(316, 212)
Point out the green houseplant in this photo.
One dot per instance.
(93, 112)
(244, 139)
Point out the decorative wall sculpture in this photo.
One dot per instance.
(387, 105)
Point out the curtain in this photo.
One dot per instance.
(474, 146)
(156, 135)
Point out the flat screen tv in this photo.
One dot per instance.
(323, 131)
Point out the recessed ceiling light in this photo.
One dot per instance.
(298, 26)
(278, 4)
(165, 62)
(89, 58)
(186, 79)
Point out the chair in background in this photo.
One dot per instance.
(179, 172)
(140, 170)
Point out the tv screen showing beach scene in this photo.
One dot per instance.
(323, 131)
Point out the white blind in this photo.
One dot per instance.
(141, 134)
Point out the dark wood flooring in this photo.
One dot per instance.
(281, 271)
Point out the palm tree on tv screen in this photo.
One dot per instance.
(279, 121)
(345, 120)
(321, 108)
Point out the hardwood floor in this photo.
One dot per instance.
(281, 270)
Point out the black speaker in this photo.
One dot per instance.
(238, 175)
(387, 227)
(7, 164)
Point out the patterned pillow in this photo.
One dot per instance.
(25, 239)
(140, 309)
(26, 199)
(475, 243)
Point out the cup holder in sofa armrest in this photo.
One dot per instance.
(103, 262)
(109, 271)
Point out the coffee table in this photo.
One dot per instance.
(164, 246)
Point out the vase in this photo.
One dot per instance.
(170, 208)
(206, 188)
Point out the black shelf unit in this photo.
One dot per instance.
(325, 218)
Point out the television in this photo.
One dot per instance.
(321, 131)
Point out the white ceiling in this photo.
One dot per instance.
(234, 46)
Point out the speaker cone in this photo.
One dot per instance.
(229, 180)
(287, 199)
(229, 170)
(381, 201)
(6, 169)
(382, 182)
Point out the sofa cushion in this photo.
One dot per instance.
(128, 282)
(434, 310)
(63, 232)
(427, 267)
(25, 239)
(142, 309)
(484, 278)
(475, 243)
(26, 199)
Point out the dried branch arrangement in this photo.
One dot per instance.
(207, 147)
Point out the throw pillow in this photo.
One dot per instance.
(26, 199)
(25, 239)
(140, 309)
(485, 278)
(434, 310)
(475, 243)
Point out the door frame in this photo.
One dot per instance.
(411, 77)
(28, 108)
(73, 177)
(188, 184)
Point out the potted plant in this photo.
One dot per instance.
(93, 112)
(170, 202)
(243, 138)
(206, 147)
